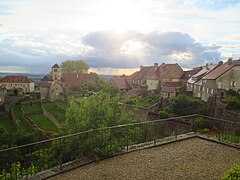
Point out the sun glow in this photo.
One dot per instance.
(130, 47)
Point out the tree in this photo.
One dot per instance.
(98, 111)
(74, 66)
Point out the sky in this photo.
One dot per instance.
(116, 36)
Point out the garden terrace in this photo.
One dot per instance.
(58, 154)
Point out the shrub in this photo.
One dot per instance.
(237, 132)
(233, 103)
(183, 105)
(202, 123)
(232, 173)
(163, 114)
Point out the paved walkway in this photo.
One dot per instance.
(188, 159)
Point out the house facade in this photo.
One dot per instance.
(3, 92)
(153, 77)
(225, 77)
(121, 82)
(23, 83)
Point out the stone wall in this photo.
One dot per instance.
(50, 117)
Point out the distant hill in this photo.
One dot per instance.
(37, 77)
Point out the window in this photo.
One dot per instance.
(219, 85)
(55, 70)
(56, 89)
(233, 84)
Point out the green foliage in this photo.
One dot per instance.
(233, 173)
(202, 123)
(143, 102)
(98, 111)
(74, 66)
(163, 114)
(17, 172)
(107, 87)
(233, 103)
(184, 105)
(229, 138)
(237, 132)
(8, 126)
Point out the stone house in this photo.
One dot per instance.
(121, 82)
(164, 73)
(56, 91)
(153, 77)
(170, 89)
(3, 92)
(191, 87)
(22, 83)
(51, 86)
(223, 78)
(79, 79)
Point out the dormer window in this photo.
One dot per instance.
(233, 84)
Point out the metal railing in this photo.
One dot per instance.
(27, 160)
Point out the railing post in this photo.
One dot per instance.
(155, 134)
(61, 154)
(176, 130)
(127, 136)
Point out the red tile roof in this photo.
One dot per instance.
(172, 84)
(168, 89)
(217, 72)
(121, 83)
(76, 79)
(188, 74)
(16, 79)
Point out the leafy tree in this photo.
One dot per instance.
(74, 66)
(98, 111)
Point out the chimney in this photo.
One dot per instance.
(156, 64)
(77, 75)
(220, 62)
(230, 60)
(207, 66)
(141, 67)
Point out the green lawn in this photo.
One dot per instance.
(35, 109)
(44, 123)
(57, 109)
(8, 126)
(143, 102)
(24, 126)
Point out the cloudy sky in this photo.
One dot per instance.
(116, 36)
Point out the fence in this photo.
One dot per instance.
(27, 160)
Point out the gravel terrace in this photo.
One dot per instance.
(194, 158)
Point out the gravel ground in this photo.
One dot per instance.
(188, 159)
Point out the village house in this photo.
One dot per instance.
(3, 92)
(79, 79)
(54, 85)
(153, 77)
(194, 83)
(51, 86)
(224, 77)
(170, 89)
(21, 83)
(121, 82)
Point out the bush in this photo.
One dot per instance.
(233, 173)
(163, 114)
(202, 123)
(237, 132)
(184, 105)
(233, 103)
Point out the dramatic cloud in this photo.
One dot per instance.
(106, 49)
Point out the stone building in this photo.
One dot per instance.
(223, 78)
(21, 83)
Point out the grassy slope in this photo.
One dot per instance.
(33, 109)
(43, 122)
(24, 126)
(57, 109)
